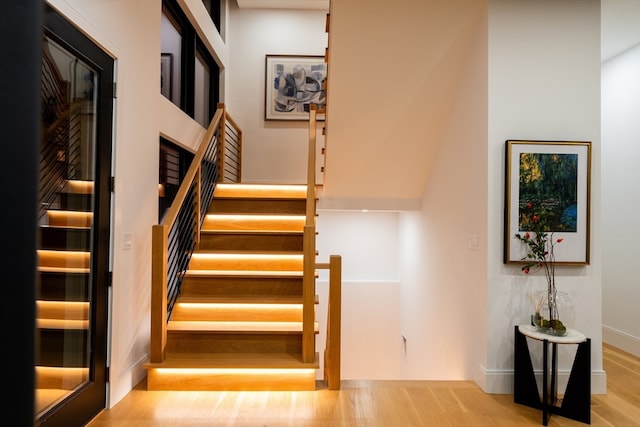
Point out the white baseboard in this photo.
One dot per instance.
(501, 381)
(125, 382)
(621, 340)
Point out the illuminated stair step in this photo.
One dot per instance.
(62, 310)
(245, 273)
(247, 262)
(261, 191)
(79, 187)
(234, 361)
(62, 324)
(234, 372)
(69, 218)
(63, 259)
(49, 377)
(266, 327)
(265, 223)
(251, 312)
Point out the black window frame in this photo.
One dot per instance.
(190, 44)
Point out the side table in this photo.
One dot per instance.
(576, 402)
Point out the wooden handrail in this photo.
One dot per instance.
(194, 169)
(160, 233)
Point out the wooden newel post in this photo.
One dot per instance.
(222, 141)
(159, 273)
(334, 323)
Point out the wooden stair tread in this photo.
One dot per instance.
(63, 324)
(237, 327)
(244, 273)
(248, 253)
(259, 232)
(243, 299)
(64, 227)
(233, 360)
(63, 270)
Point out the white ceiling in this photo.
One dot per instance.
(620, 20)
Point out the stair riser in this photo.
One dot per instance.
(291, 313)
(62, 347)
(60, 286)
(202, 380)
(185, 342)
(250, 242)
(65, 239)
(247, 206)
(257, 264)
(196, 286)
(76, 202)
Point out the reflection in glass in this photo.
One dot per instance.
(202, 92)
(65, 225)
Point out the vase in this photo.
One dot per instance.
(556, 313)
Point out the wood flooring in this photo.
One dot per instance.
(374, 404)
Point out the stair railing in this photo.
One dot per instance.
(173, 241)
(334, 307)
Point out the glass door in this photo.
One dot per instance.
(74, 221)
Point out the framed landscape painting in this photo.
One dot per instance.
(548, 181)
(293, 83)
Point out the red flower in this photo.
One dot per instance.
(529, 205)
(560, 240)
(535, 218)
(526, 270)
(527, 235)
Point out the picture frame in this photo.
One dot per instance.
(292, 84)
(550, 179)
(166, 76)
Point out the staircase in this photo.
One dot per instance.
(63, 295)
(237, 322)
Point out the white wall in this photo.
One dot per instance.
(621, 200)
(544, 83)
(443, 270)
(368, 244)
(273, 151)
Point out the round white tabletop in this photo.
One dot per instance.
(572, 337)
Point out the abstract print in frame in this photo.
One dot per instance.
(293, 83)
(550, 179)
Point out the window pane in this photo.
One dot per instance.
(202, 91)
(171, 59)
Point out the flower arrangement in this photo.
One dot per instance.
(540, 243)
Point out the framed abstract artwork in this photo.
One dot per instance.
(293, 83)
(548, 185)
